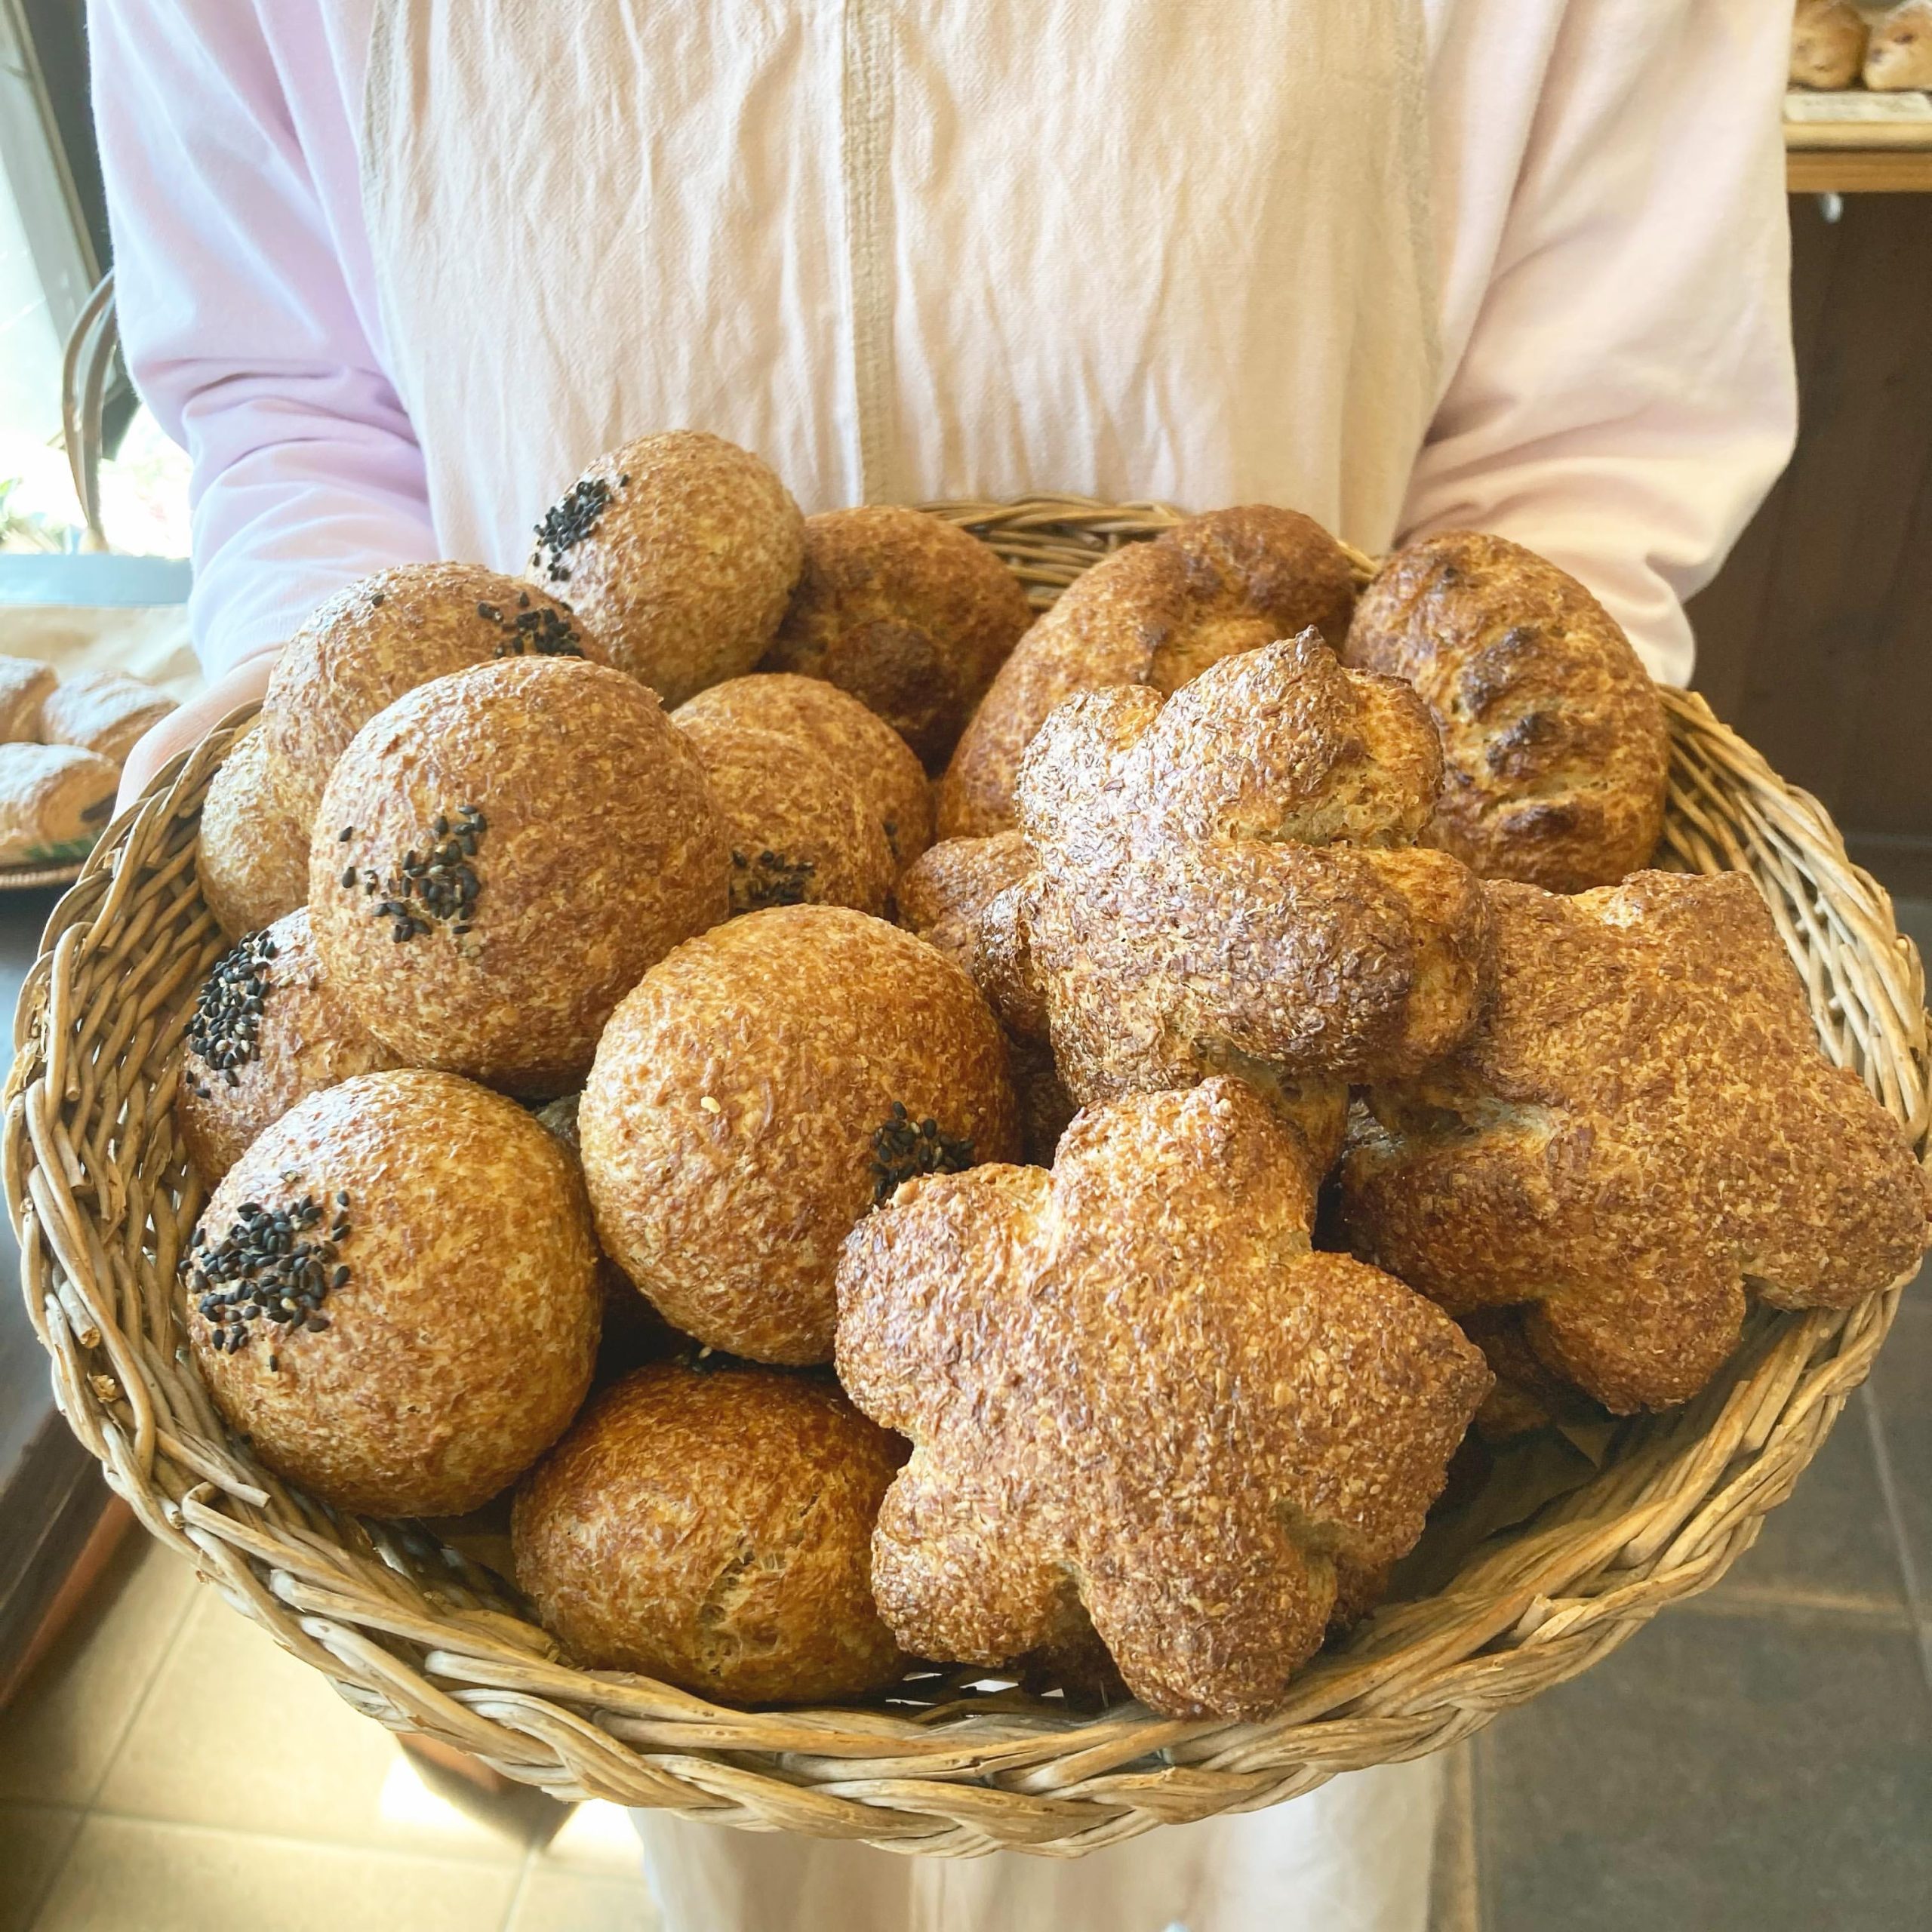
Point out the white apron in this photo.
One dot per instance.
(908, 249)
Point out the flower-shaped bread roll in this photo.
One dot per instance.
(1642, 1128)
(1136, 1396)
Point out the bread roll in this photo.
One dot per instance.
(499, 856)
(760, 1090)
(800, 829)
(906, 612)
(680, 551)
(1642, 1127)
(1156, 613)
(1555, 747)
(1136, 1396)
(253, 859)
(55, 801)
(712, 1528)
(836, 724)
(268, 1030)
(102, 711)
(1828, 40)
(1899, 54)
(384, 636)
(24, 684)
(390, 1295)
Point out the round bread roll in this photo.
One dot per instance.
(1828, 40)
(713, 1528)
(268, 1030)
(763, 1087)
(800, 830)
(24, 684)
(103, 712)
(858, 742)
(500, 856)
(254, 858)
(1900, 53)
(384, 635)
(1156, 613)
(680, 551)
(907, 613)
(1555, 747)
(54, 800)
(391, 1294)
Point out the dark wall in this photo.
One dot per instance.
(1816, 641)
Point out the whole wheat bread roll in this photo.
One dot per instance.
(1642, 1128)
(103, 712)
(680, 552)
(763, 1087)
(383, 636)
(390, 1295)
(267, 1031)
(800, 830)
(711, 1528)
(24, 684)
(1156, 613)
(53, 799)
(253, 858)
(500, 855)
(1136, 1396)
(906, 612)
(1555, 747)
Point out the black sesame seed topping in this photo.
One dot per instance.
(567, 522)
(769, 879)
(228, 1011)
(261, 1269)
(376, 599)
(441, 887)
(904, 1147)
(347, 832)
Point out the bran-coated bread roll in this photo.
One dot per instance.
(1899, 54)
(1156, 613)
(762, 1087)
(24, 684)
(54, 799)
(500, 856)
(800, 831)
(835, 723)
(252, 859)
(906, 612)
(103, 712)
(1136, 1395)
(384, 636)
(1828, 39)
(680, 552)
(391, 1295)
(713, 1528)
(1555, 747)
(268, 1030)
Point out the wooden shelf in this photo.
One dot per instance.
(1897, 171)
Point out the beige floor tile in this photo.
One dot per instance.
(556, 1901)
(239, 1735)
(33, 1838)
(60, 1733)
(596, 1837)
(126, 1874)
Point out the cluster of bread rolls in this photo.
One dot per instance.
(1885, 44)
(956, 1204)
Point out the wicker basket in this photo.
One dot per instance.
(421, 1637)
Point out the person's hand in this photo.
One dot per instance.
(181, 730)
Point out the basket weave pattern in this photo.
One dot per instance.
(421, 1638)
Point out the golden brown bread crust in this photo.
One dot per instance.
(598, 850)
(459, 1344)
(384, 635)
(1223, 885)
(834, 723)
(24, 684)
(1156, 613)
(712, 1528)
(1555, 750)
(1132, 1387)
(800, 830)
(269, 1030)
(103, 712)
(1899, 54)
(741, 1115)
(1642, 1125)
(679, 551)
(252, 859)
(907, 613)
(51, 797)
(1828, 39)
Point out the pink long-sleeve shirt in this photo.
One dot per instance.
(1606, 195)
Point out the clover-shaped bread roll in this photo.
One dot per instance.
(1134, 1391)
(1224, 882)
(1555, 750)
(1642, 1128)
(1156, 613)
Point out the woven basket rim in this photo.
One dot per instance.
(419, 1637)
